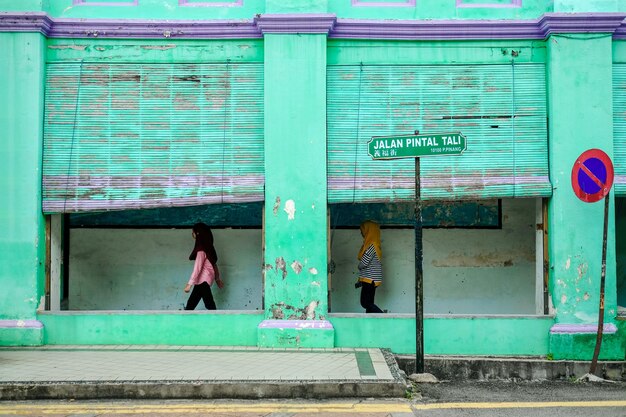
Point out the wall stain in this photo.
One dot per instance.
(158, 47)
(306, 313)
(281, 265)
(74, 47)
(296, 266)
(276, 206)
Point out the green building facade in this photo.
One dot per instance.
(124, 122)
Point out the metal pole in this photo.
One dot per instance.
(419, 287)
(596, 352)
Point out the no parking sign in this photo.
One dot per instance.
(592, 175)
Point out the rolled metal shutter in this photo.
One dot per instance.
(127, 136)
(500, 108)
(619, 128)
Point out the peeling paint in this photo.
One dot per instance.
(158, 47)
(582, 270)
(276, 206)
(290, 209)
(306, 313)
(315, 283)
(268, 267)
(586, 296)
(310, 310)
(281, 265)
(296, 266)
(74, 47)
(568, 263)
(561, 283)
(563, 299)
(313, 271)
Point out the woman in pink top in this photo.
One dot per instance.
(205, 270)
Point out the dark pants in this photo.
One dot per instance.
(203, 291)
(368, 291)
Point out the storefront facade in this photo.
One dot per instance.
(125, 122)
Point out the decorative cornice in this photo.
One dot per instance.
(25, 22)
(296, 23)
(548, 24)
(435, 29)
(183, 29)
(551, 23)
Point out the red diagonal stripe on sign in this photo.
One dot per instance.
(592, 176)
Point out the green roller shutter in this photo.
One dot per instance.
(122, 136)
(500, 108)
(619, 128)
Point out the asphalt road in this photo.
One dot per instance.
(433, 400)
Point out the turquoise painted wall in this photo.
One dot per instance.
(580, 97)
(147, 328)
(295, 176)
(495, 335)
(22, 239)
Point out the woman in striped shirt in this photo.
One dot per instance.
(370, 266)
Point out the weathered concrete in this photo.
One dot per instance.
(452, 368)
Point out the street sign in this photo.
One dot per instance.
(592, 175)
(413, 146)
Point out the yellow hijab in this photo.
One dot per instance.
(371, 236)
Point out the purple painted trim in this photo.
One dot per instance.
(512, 4)
(103, 3)
(184, 29)
(316, 23)
(295, 23)
(609, 328)
(405, 3)
(477, 29)
(186, 3)
(295, 324)
(25, 22)
(20, 324)
(620, 33)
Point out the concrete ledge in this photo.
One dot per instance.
(527, 369)
(199, 390)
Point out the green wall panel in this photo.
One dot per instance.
(22, 240)
(295, 172)
(581, 117)
(447, 335)
(143, 328)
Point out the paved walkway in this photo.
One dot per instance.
(195, 372)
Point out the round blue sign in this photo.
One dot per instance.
(592, 175)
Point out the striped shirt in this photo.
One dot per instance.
(370, 267)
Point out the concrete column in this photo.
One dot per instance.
(581, 117)
(295, 192)
(22, 236)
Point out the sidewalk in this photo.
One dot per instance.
(159, 372)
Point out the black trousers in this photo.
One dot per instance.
(368, 291)
(201, 291)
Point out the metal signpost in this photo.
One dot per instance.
(592, 178)
(416, 146)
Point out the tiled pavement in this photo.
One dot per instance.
(239, 367)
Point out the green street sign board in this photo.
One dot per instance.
(414, 146)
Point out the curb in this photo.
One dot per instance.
(199, 390)
(525, 369)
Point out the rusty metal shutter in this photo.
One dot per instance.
(127, 136)
(500, 108)
(619, 128)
